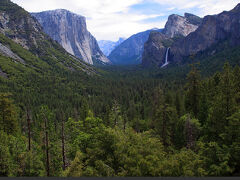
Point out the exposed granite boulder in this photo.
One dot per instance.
(70, 30)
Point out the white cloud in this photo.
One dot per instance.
(106, 19)
(110, 19)
(205, 7)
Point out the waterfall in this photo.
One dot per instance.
(166, 58)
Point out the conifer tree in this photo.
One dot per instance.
(8, 115)
(193, 91)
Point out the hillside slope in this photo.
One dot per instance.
(18, 26)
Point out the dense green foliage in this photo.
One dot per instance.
(61, 117)
(125, 122)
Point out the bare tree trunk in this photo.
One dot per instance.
(124, 123)
(63, 145)
(46, 145)
(164, 126)
(190, 140)
(29, 130)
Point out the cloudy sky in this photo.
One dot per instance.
(111, 19)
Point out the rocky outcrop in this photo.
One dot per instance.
(193, 19)
(213, 30)
(3, 74)
(155, 49)
(177, 27)
(180, 26)
(18, 25)
(5, 51)
(130, 51)
(70, 30)
(108, 46)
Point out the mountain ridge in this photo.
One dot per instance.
(213, 30)
(108, 46)
(24, 42)
(130, 51)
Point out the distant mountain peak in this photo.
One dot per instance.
(108, 46)
(121, 38)
(155, 29)
(237, 8)
(181, 25)
(61, 12)
(130, 51)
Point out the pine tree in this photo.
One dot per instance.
(193, 87)
(222, 107)
(115, 116)
(8, 115)
(178, 105)
(76, 167)
(227, 91)
(164, 117)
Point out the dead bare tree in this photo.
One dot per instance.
(29, 129)
(46, 145)
(63, 144)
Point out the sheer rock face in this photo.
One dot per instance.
(213, 30)
(180, 26)
(133, 50)
(154, 49)
(70, 30)
(177, 27)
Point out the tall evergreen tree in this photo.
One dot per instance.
(193, 87)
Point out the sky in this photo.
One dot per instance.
(111, 19)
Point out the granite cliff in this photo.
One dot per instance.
(215, 29)
(209, 37)
(24, 42)
(70, 30)
(181, 26)
(176, 28)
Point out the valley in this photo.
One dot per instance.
(164, 102)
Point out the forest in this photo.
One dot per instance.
(121, 122)
(61, 117)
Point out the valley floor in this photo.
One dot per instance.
(124, 122)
